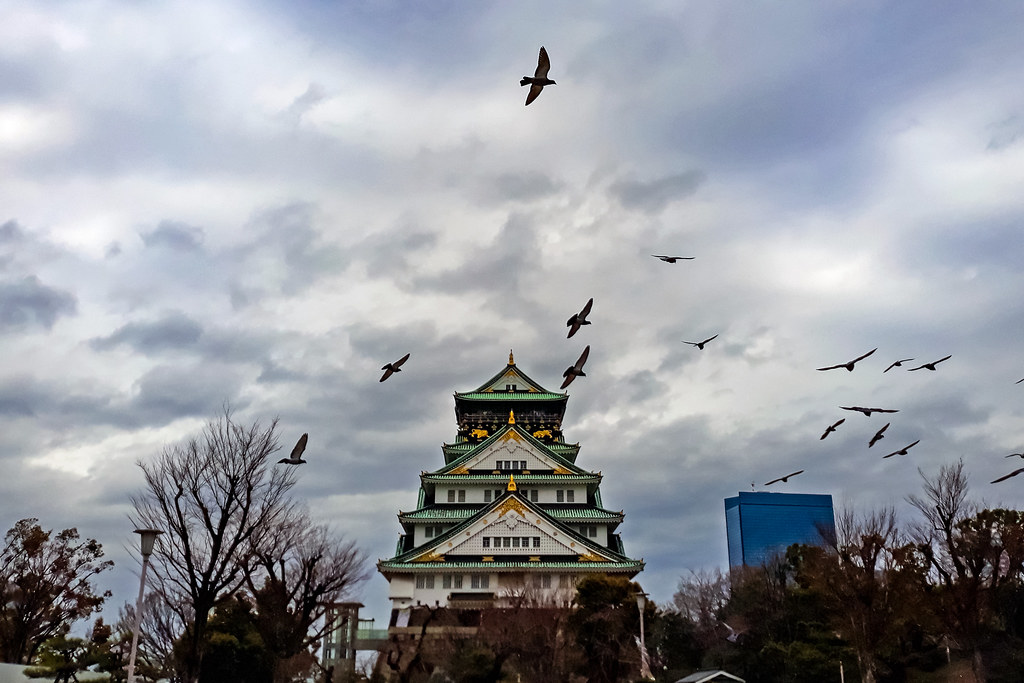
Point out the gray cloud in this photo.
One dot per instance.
(174, 235)
(29, 303)
(174, 331)
(653, 196)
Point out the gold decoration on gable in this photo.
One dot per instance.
(562, 470)
(511, 504)
(430, 557)
(461, 469)
(511, 435)
(591, 557)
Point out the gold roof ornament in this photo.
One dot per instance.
(511, 360)
(511, 417)
(511, 483)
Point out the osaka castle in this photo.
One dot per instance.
(508, 514)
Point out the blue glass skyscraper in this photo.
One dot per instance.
(760, 525)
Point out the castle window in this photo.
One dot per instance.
(506, 542)
(480, 580)
(487, 541)
(536, 541)
(570, 496)
(462, 495)
(559, 496)
(526, 541)
(515, 541)
(424, 580)
(451, 495)
(487, 496)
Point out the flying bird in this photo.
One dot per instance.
(929, 366)
(1007, 476)
(783, 479)
(578, 319)
(867, 411)
(832, 427)
(540, 77)
(673, 259)
(1015, 455)
(1019, 381)
(296, 457)
(897, 364)
(878, 435)
(574, 371)
(902, 451)
(391, 368)
(699, 345)
(849, 366)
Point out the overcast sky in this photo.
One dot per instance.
(261, 203)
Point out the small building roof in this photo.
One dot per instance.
(710, 676)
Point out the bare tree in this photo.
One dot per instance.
(298, 571)
(217, 497)
(946, 511)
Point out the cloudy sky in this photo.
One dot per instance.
(261, 203)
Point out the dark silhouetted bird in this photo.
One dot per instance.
(1019, 381)
(868, 411)
(1007, 476)
(673, 259)
(699, 345)
(902, 451)
(391, 368)
(897, 364)
(849, 366)
(929, 366)
(578, 319)
(832, 427)
(296, 457)
(540, 77)
(783, 479)
(574, 371)
(1015, 455)
(878, 435)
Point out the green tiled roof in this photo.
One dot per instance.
(521, 479)
(451, 513)
(526, 436)
(518, 565)
(511, 396)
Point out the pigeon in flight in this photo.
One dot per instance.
(849, 366)
(929, 366)
(902, 451)
(832, 427)
(867, 411)
(783, 479)
(540, 77)
(878, 435)
(673, 259)
(897, 364)
(1007, 476)
(699, 345)
(574, 371)
(578, 319)
(391, 368)
(296, 457)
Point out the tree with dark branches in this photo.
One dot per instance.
(295, 574)
(217, 497)
(45, 586)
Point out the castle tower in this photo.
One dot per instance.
(510, 515)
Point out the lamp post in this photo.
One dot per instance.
(148, 540)
(645, 668)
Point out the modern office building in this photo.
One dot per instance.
(760, 525)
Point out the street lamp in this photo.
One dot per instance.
(645, 668)
(148, 539)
